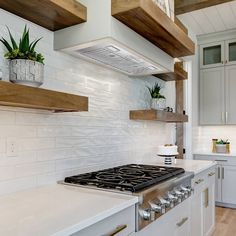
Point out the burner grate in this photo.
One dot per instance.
(131, 177)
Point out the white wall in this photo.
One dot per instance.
(52, 146)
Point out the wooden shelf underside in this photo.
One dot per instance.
(178, 74)
(148, 20)
(157, 115)
(28, 97)
(51, 14)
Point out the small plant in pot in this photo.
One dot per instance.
(26, 65)
(158, 101)
(221, 146)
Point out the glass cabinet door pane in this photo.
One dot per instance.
(232, 51)
(212, 55)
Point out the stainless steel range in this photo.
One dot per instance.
(159, 188)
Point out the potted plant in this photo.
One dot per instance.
(26, 65)
(158, 101)
(221, 146)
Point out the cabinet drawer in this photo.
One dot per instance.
(123, 221)
(198, 182)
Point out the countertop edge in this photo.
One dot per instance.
(95, 219)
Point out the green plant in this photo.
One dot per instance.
(23, 50)
(155, 91)
(221, 141)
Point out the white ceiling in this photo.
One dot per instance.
(212, 19)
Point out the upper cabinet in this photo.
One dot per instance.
(218, 54)
(230, 52)
(212, 55)
(217, 82)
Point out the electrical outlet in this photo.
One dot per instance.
(12, 148)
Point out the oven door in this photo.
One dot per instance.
(175, 222)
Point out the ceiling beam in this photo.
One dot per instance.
(184, 6)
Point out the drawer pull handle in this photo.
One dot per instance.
(182, 222)
(199, 181)
(211, 174)
(117, 230)
(222, 160)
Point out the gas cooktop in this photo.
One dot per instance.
(132, 177)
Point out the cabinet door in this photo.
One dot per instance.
(211, 55)
(230, 94)
(209, 207)
(230, 52)
(218, 184)
(228, 184)
(212, 108)
(197, 214)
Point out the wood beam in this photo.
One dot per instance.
(184, 6)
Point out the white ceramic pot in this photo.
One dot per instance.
(221, 148)
(26, 72)
(158, 103)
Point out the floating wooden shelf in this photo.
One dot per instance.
(51, 14)
(157, 115)
(148, 20)
(178, 74)
(29, 97)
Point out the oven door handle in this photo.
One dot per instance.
(117, 230)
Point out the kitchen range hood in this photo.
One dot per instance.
(108, 42)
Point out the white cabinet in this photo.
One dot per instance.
(218, 54)
(203, 204)
(218, 184)
(212, 55)
(218, 83)
(230, 95)
(123, 221)
(228, 184)
(225, 179)
(209, 205)
(217, 96)
(197, 214)
(230, 52)
(212, 96)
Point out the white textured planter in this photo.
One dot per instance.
(221, 148)
(26, 72)
(158, 103)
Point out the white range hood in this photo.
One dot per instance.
(106, 41)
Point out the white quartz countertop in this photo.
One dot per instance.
(57, 210)
(60, 210)
(196, 166)
(232, 154)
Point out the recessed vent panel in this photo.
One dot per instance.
(119, 59)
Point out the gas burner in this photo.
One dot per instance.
(131, 177)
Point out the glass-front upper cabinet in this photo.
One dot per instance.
(230, 51)
(212, 55)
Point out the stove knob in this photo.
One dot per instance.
(185, 192)
(166, 202)
(158, 207)
(179, 195)
(188, 189)
(172, 197)
(146, 214)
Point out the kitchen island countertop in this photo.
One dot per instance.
(195, 166)
(59, 210)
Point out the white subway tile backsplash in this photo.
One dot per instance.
(52, 146)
